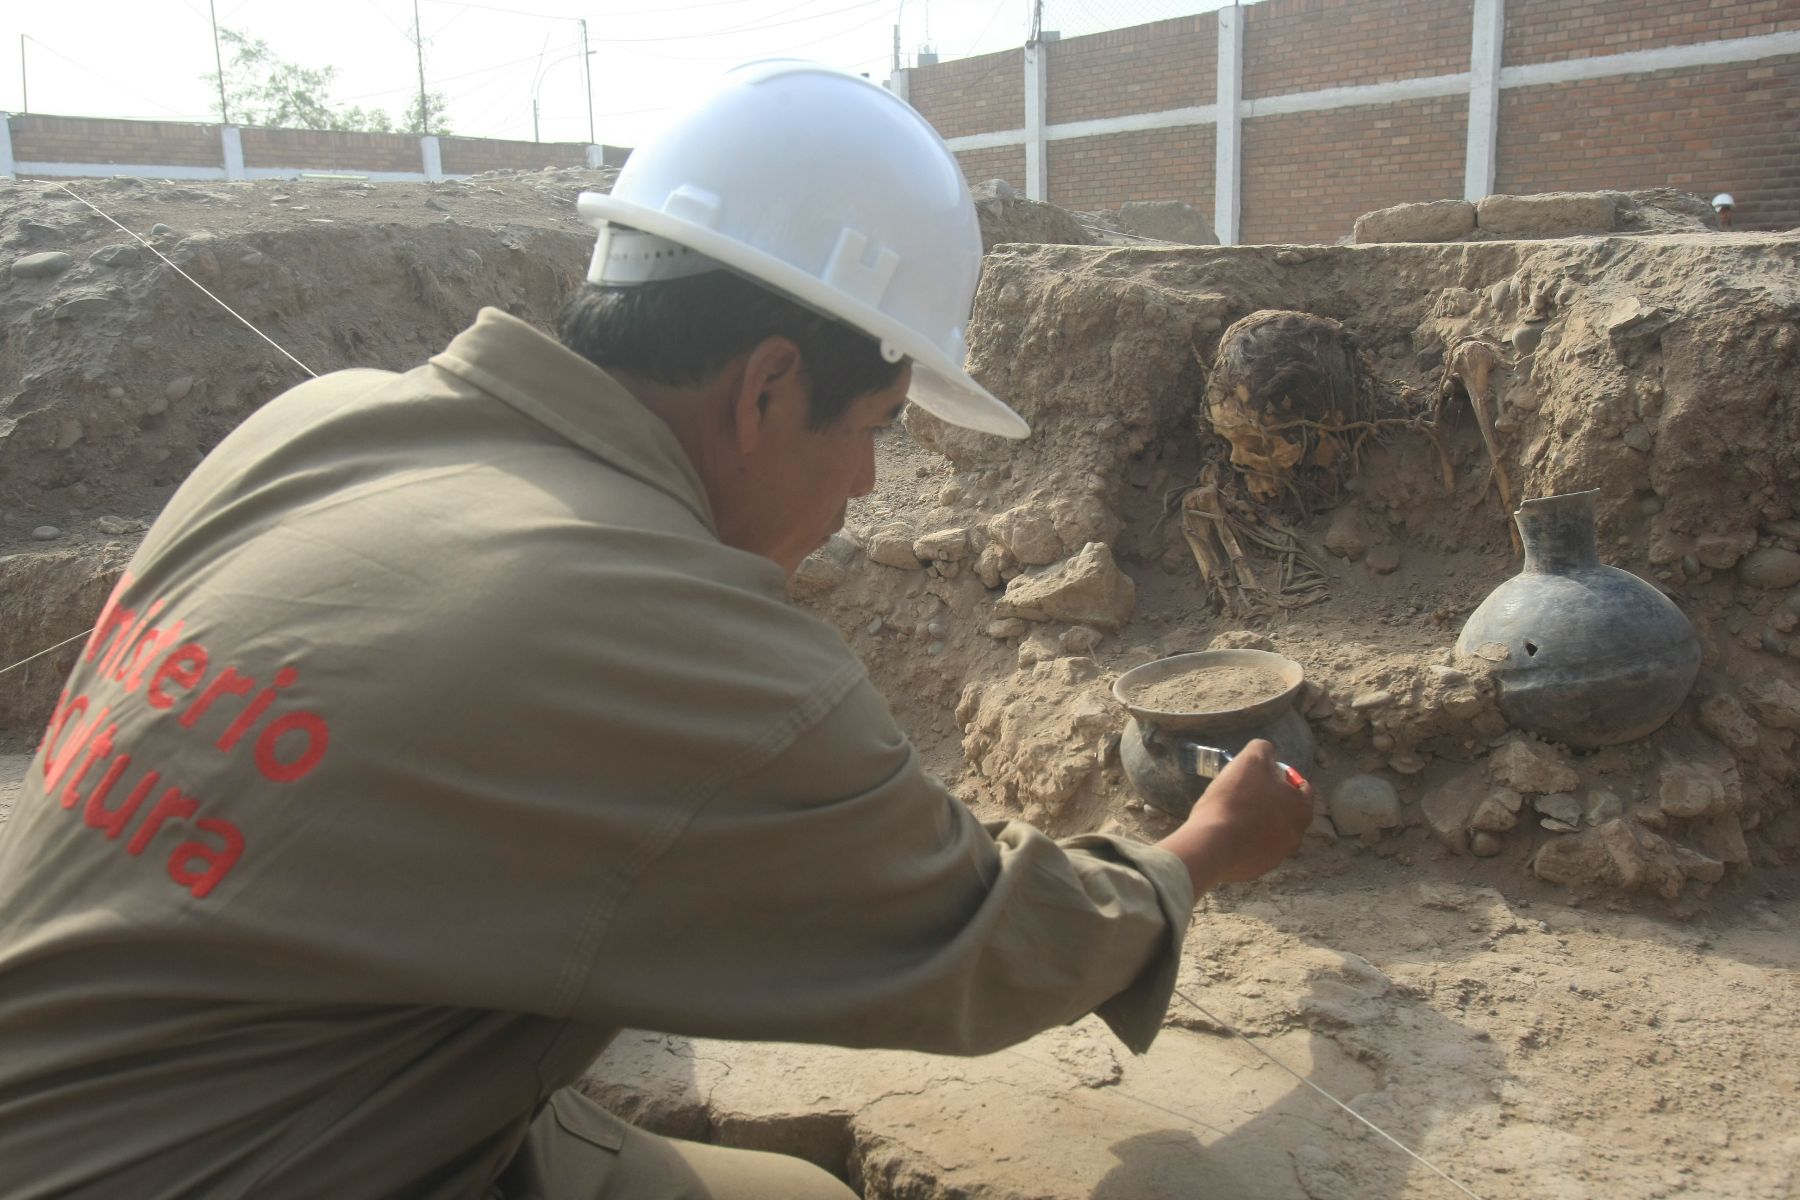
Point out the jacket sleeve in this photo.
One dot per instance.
(840, 894)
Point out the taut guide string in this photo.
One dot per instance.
(1183, 995)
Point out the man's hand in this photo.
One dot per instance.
(1249, 819)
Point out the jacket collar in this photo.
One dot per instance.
(569, 395)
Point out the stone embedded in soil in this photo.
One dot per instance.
(1721, 551)
(118, 526)
(1241, 639)
(1775, 702)
(892, 546)
(46, 533)
(1687, 790)
(1008, 627)
(1348, 535)
(1029, 536)
(179, 388)
(119, 254)
(1429, 221)
(946, 545)
(1638, 437)
(1602, 806)
(1080, 639)
(1771, 568)
(1087, 589)
(1552, 215)
(1618, 854)
(81, 307)
(1723, 717)
(1531, 767)
(1496, 812)
(1561, 807)
(1384, 559)
(1696, 865)
(1483, 844)
(1449, 807)
(46, 265)
(816, 576)
(1364, 804)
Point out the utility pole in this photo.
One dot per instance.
(419, 45)
(219, 63)
(896, 47)
(24, 87)
(587, 73)
(534, 128)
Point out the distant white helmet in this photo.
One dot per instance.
(824, 187)
(1723, 200)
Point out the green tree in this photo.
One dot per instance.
(264, 89)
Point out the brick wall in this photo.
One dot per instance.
(1156, 164)
(1549, 30)
(38, 138)
(1306, 45)
(972, 95)
(1148, 68)
(50, 139)
(319, 151)
(999, 162)
(468, 156)
(1308, 176)
(1701, 129)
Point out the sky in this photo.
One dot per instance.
(148, 58)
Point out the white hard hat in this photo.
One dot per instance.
(829, 189)
(1723, 200)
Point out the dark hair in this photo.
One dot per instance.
(680, 332)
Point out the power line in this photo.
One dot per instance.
(740, 56)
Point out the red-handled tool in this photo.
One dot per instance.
(1209, 761)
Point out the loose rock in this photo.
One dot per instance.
(46, 265)
(1771, 568)
(1431, 221)
(1691, 790)
(1526, 766)
(46, 533)
(1384, 559)
(1364, 804)
(1449, 807)
(1087, 589)
(892, 546)
(1552, 214)
(1775, 702)
(946, 545)
(116, 255)
(1027, 535)
(1497, 812)
(1562, 807)
(1723, 717)
(1619, 853)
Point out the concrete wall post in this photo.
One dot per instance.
(231, 141)
(1485, 45)
(7, 167)
(1037, 95)
(431, 151)
(1228, 141)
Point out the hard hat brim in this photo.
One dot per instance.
(940, 386)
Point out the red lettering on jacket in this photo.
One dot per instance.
(69, 751)
(198, 866)
(258, 706)
(171, 803)
(317, 734)
(131, 672)
(99, 749)
(228, 681)
(114, 820)
(185, 667)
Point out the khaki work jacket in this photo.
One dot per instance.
(431, 738)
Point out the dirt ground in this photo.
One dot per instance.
(1594, 995)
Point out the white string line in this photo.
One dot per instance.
(50, 650)
(1184, 996)
(1189, 1000)
(152, 249)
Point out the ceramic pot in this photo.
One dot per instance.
(1584, 654)
(1155, 748)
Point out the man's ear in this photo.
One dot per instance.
(772, 382)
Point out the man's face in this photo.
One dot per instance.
(798, 483)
